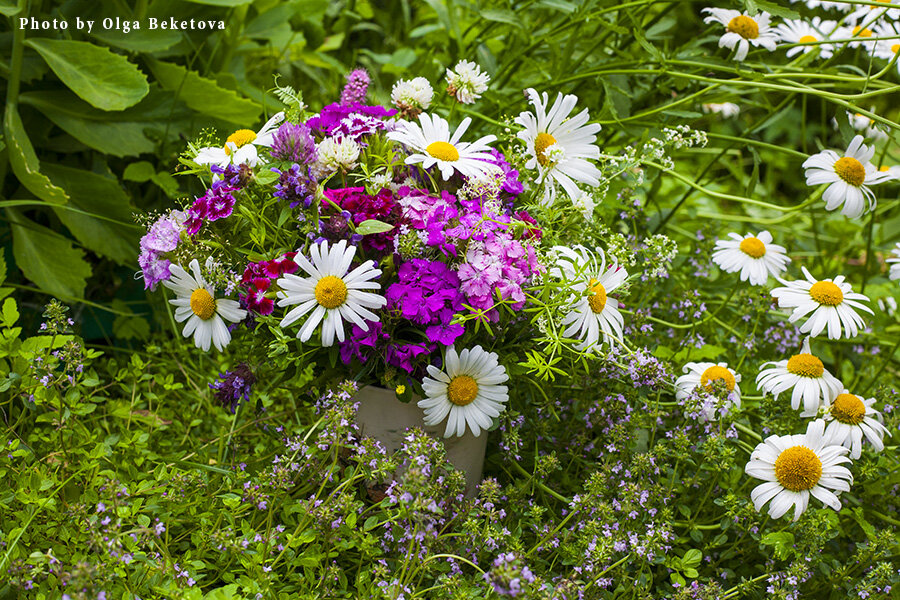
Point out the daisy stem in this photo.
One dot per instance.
(865, 278)
(748, 431)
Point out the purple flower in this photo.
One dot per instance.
(509, 576)
(295, 186)
(329, 121)
(233, 386)
(294, 143)
(154, 269)
(356, 87)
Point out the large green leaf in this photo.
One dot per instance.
(221, 2)
(140, 40)
(24, 161)
(107, 229)
(105, 80)
(9, 8)
(204, 95)
(117, 133)
(47, 258)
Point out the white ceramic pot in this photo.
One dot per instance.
(385, 418)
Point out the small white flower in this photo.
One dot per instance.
(558, 146)
(797, 466)
(798, 31)
(592, 312)
(433, 145)
(467, 82)
(330, 292)
(703, 375)
(860, 122)
(756, 257)
(741, 30)
(336, 154)
(412, 95)
(847, 177)
(894, 261)
(888, 48)
(585, 203)
(725, 109)
(467, 391)
(827, 303)
(850, 418)
(805, 375)
(240, 147)
(195, 302)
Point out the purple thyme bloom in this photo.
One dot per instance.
(234, 385)
(356, 88)
(294, 142)
(508, 575)
(295, 186)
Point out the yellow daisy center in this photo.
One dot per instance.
(239, 138)
(753, 247)
(541, 143)
(806, 39)
(849, 409)
(825, 292)
(597, 299)
(744, 26)
(884, 168)
(805, 365)
(203, 304)
(331, 291)
(862, 32)
(443, 151)
(895, 48)
(462, 390)
(716, 373)
(798, 469)
(850, 170)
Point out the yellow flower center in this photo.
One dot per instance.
(806, 39)
(798, 468)
(331, 291)
(805, 365)
(203, 304)
(239, 138)
(443, 151)
(825, 292)
(744, 26)
(716, 373)
(597, 299)
(462, 390)
(895, 48)
(753, 247)
(541, 143)
(884, 168)
(400, 389)
(862, 32)
(850, 170)
(849, 409)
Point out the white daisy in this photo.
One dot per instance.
(331, 293)
(725, 109)
(412, 96)
(860, 122)
(828, 303)
(859, 36)
(196, 303)
(873, 16)
(847, 177)
(558, 146)
(741, 30)
(467, 391)
(797, 31)
(797, 466)
(888, 48)
(240, 147)
(704, 375)
(467, 82)
(435, 146)
(591, 312)
(806, 376)
(756, 257)
(851, 417)
(894, 261)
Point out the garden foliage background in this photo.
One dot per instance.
(93, 126)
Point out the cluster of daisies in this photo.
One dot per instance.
(794, 467)
(387, 234)
(870, 27)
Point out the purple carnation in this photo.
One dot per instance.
(154, 269)
(294, 143)
(356, 87)
(330, 119)
(216, 203)
(428, 294)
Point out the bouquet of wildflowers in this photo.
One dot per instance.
(395, 244)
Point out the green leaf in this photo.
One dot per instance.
(2, 268)
(105, 80)
(47, 258)
(9, 8)
(502, 16)
(222, 2)
(707, 352)
(773, 9)
(370, 226)
(691, 558)
(24, 161)
(204, 95)
(10, 313)
(139, 171)
(107, 228)
(140, 40)
(782, 542)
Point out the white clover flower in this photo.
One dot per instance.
(412, 96)
(742, 30)
(467, 82)
(337, 154)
